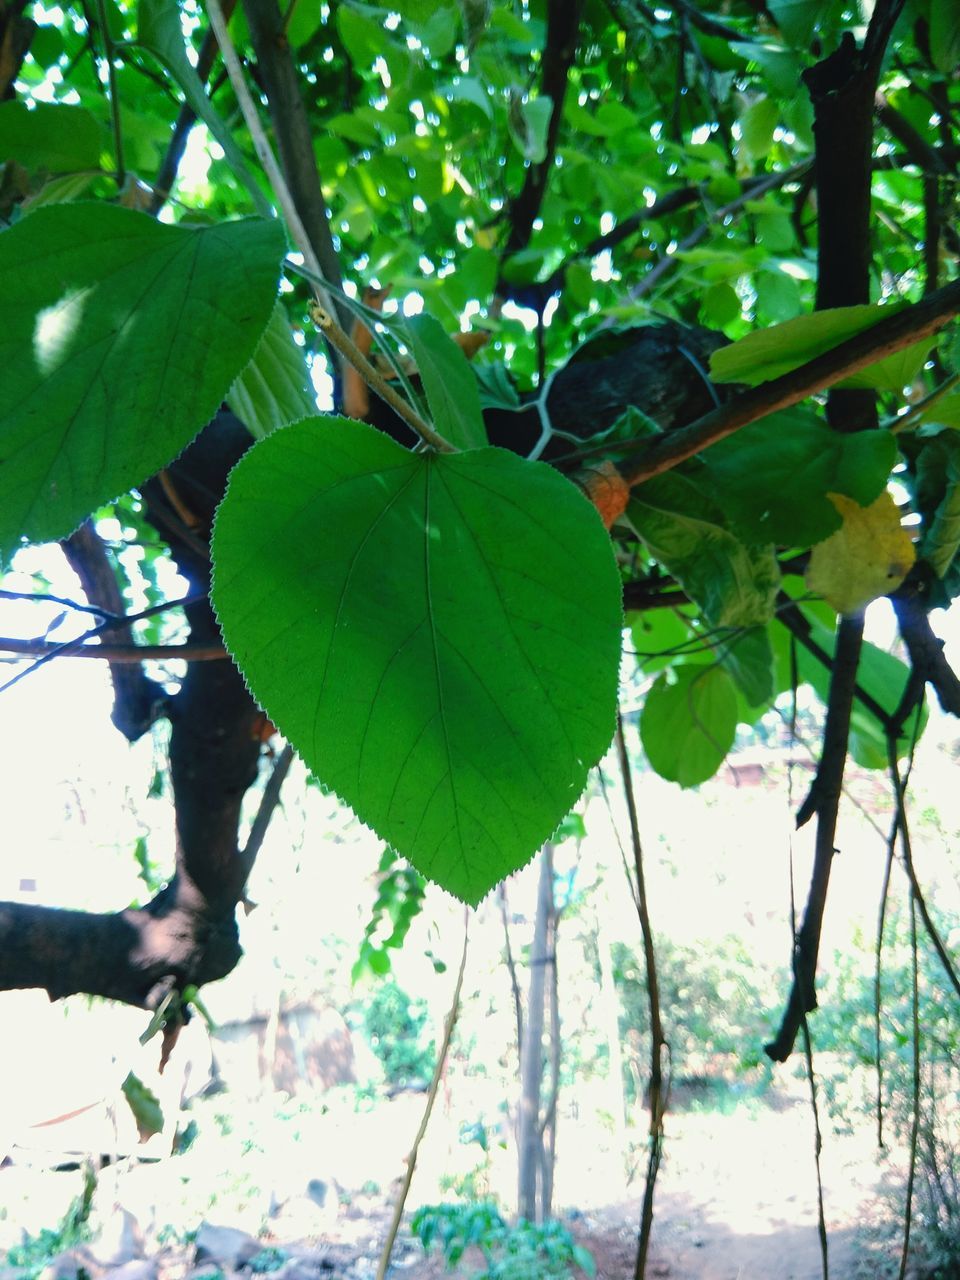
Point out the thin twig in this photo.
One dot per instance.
(341, 340)
(877, 973)
(824, 800)
(47, 649)
(44, 597)
(450, 1023)
(890, 334)
(658, 1042)
(50, 652)
(263, 149)
(114, 98)
(915, 1121)
(268, 803)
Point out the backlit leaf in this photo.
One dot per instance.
(870, 554)
(451, 388)
(119, 337)
(688, 723)
(275, 387)
(438, 635)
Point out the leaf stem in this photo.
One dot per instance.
(121, 174)
(345, 345)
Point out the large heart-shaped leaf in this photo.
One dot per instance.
(437, 635)
(119, 336)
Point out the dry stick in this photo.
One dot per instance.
(324, 310)
(70, 646)
(901, 329)
(344, 344)
(450, 1023)
(658, 1102)
(262, 145)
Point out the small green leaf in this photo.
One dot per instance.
(748, 657)
(119, 336)
(363, 37)
(941, 542)
(757, 125)
(688, 723)
(768, 353)
(438, 635)
(660, 638)
(275, 387)
(144, 1104)
(449, 383)
(529, 126)
(735, 584)
(51, 137)
(775, 475)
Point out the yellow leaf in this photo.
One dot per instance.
(869, 555)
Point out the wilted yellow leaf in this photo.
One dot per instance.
(869, 555)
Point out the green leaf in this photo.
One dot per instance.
(49, 137)
(468, 89)
(160, 33)
(757, 125)
(275, 387)
(438, 635)
(688, 723)
(363, 38)
(449, 383)
(798, 20)
(735, 584)
(119, 336)
(144, 1104)
(945, 35)
(528, 127)
(768, 353)
(748, 657)
(941, 542)
(775, 475)
(660, 637)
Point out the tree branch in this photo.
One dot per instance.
(294, 135)
(121, 655)
(824, 800)
(563, 28)
(892, 333)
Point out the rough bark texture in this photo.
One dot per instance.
(188, 933)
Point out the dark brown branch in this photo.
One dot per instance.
(294, 135)
(563, 28)
(16, 32)
(137, 700)
(824, 800)
(123, 655)
(790, 614)
(133, 956)
(925, 648)
(893, 333)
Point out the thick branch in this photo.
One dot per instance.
(901, 329)
(134, 956)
